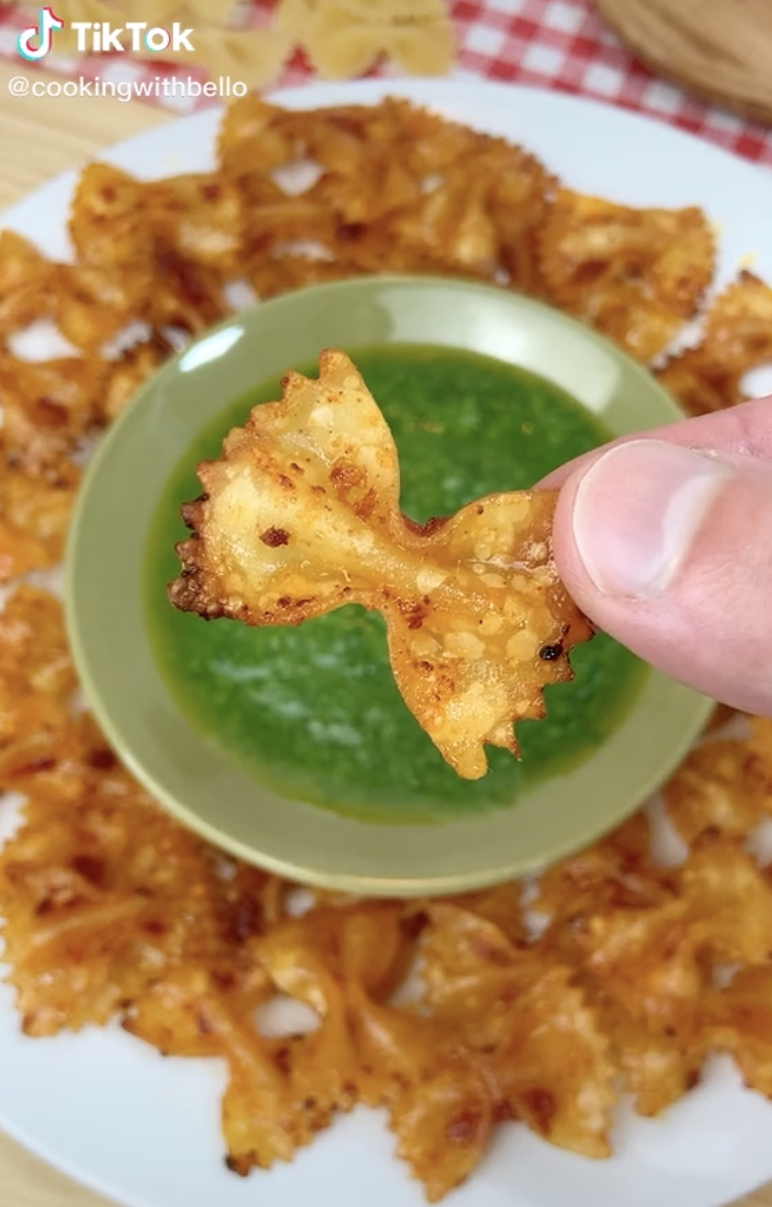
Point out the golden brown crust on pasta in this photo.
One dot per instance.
(300, 516)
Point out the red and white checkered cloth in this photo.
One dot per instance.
(558, 44)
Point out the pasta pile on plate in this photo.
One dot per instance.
(621, 975)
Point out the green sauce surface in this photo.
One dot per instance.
(313, 711)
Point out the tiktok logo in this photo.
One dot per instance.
(35, 43)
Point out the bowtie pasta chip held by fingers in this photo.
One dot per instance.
(300, 516)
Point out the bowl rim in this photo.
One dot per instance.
(701, 707)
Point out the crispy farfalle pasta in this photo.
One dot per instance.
(33, 645)
(108, 219)
(301, 516)
(723, 787)
(34, 516)
(555, 1068)
(657, 1068)
(730, 898)
(49, 409)
(635, 274)
(130, 371)
(737, 337)
(393, 194)
(27, 281)
(739, 1020)
(111, 909)
(616, 872)
(647, 962)
(201, 217)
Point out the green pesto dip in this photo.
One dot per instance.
(313, 711)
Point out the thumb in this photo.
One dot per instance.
(669, 549)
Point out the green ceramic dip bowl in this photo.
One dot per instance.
(192, 776)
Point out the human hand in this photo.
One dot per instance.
(665, 542)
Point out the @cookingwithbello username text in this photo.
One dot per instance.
(128, 90)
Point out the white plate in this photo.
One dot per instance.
(145, 1131)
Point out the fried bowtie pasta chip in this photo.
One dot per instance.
(472, 974)
(301, 516)
(277, 223)
(761, 737)
(255, 138)
(635, 274)
(271, 277)
(130, 371)
(720, 717)
(700, 386)
(323, 1064)
(33, 645)
(615, 872)
(186, 295)
(57, 763)
(647, 961)
(441, 1104)
(75, 879)
(723, 787)
(201, 217)
(738, 327)
(108, 218)
(737, 337)
(174, 1015)
(657, 1069)
(521, 190)
(26, 283)
(502, 905)
(432, 143)
(262, 1122)
(49, 408)
(94, 303)
(37, 680)
(453, 224)
(168, 244)
(459, 941)
(443, 1127)
(315, 959)
(397, 1050)
(34, 516)
(740, 1022)
(555, 1069)
(345, 139)
(360, 204)
(393, 195)
(731, 899)
(31, 729)
(375, 947)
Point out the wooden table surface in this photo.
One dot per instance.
(40, 137)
